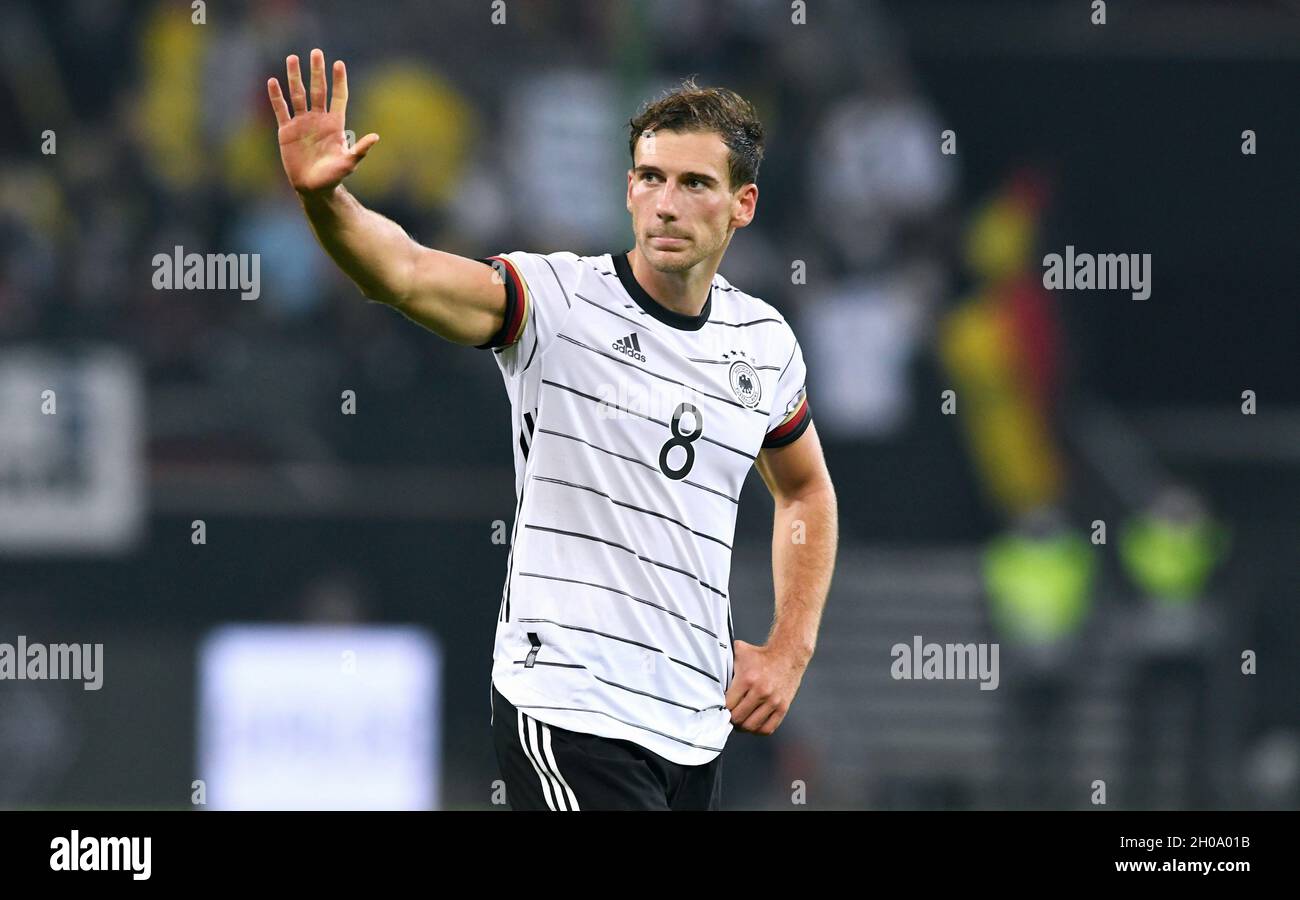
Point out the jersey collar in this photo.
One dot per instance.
(623, 268)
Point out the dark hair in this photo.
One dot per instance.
(692, 108)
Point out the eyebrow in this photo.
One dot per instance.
(707, 179)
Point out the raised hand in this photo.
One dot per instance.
(313, 148)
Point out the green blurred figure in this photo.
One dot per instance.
(1170, 549)
(1039, 582)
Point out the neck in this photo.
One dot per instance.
(682, 292)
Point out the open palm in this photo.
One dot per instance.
(313, 147)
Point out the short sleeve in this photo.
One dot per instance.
(537, 302)
(790, 415)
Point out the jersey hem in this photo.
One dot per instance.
(597, 723)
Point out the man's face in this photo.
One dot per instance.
(683, 210)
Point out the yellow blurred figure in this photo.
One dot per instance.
(171, 72)
(1000, 347)
(428, 131)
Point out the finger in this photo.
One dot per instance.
(734, 693)
(277, 102)
(318, 81)
(737, 688)
(745, 708)
(756, 719)
(362, 147)
(296, 91)
(339, 100)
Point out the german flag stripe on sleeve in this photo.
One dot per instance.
(792, 427)
(518, 304)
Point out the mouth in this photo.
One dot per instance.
(666, 241)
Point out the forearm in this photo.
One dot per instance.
(374, 251)
(805, 537)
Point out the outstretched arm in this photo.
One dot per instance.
(805, 535)
(459, 299)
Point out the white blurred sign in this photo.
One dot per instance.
(864, 337)
(71, 451)
(568, 122)
(319, 717)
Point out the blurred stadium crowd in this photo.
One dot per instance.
(494, 138)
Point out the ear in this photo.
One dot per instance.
(744, 206)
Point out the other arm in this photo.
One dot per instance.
(457, 298)
(805, 536)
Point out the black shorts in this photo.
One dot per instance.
(546, 767)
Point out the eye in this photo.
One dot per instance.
(696, 181)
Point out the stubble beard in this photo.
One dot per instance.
(675, 263)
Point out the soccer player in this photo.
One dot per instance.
(643, 387)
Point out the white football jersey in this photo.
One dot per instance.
(634, 429)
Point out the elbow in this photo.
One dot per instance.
(377, 294)
(817, 491)
(396, 288)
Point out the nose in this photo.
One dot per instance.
(666, 202)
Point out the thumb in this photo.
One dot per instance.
(362, 147)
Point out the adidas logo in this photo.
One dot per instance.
(630, 346)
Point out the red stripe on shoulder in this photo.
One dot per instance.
(792, 428)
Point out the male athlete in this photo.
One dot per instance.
(643, 387)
